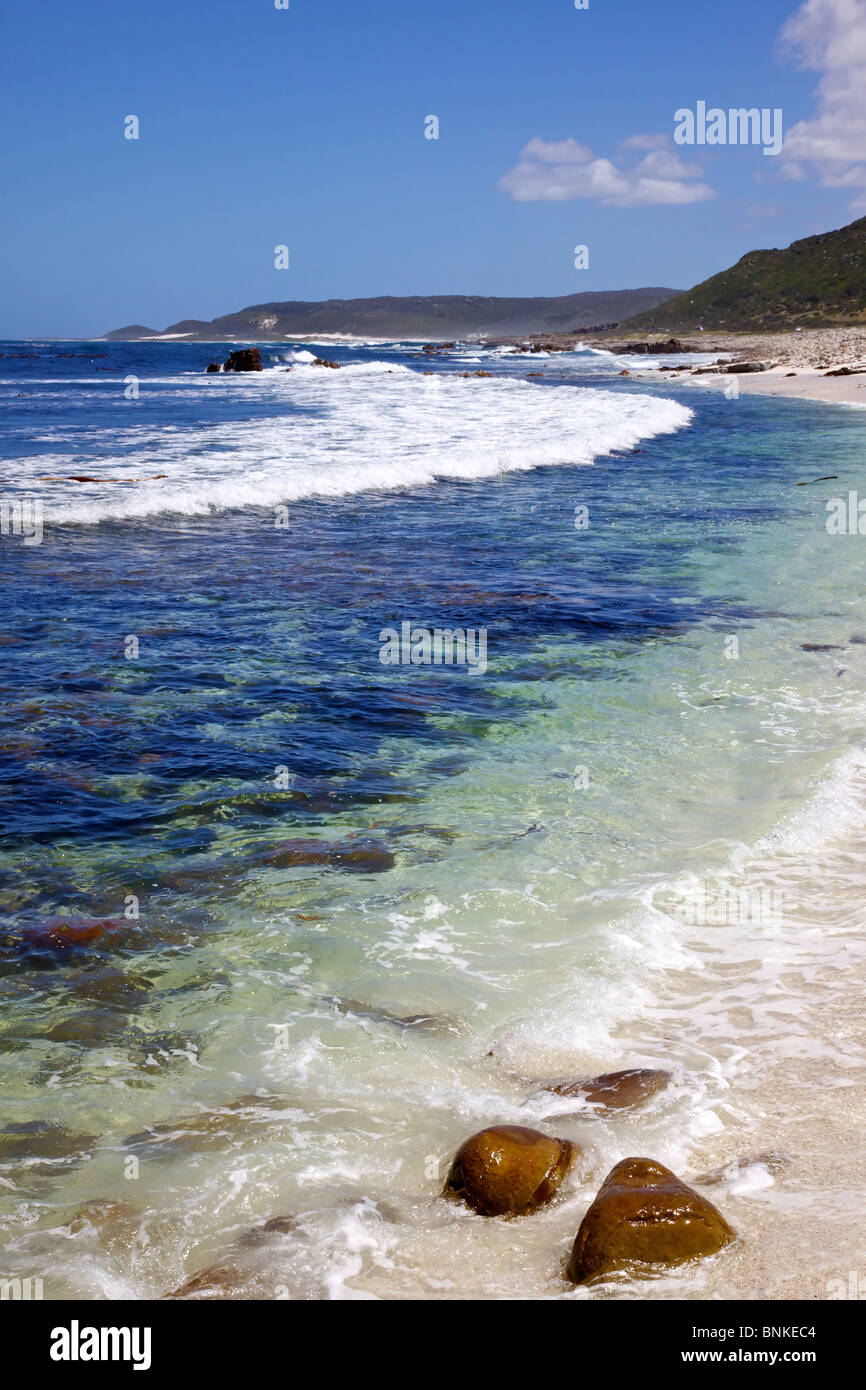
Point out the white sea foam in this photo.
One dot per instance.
(368, 426)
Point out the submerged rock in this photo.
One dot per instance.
(509, 1170)
(214, 367)
(616, 1090)
(351, 858)
(209, 1128)
(38, 1140)
(277, 1226)
(220, 1281)
(104, 1213)
(323, 362)
(433, 1023)
(645, 1216)
(774, 1162)
(244, 360)
(64, 933)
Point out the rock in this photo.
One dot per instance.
(214, 367)
(481, 373)
(615, 1090)
(532, 374)
(509, 1170)
(652, 349)
(84, 1028)
(645, 1216)
(35, 1140)
(244, 360)
(359, 859)
(323, 362)
(625, 373)
(115, 1225)
(746, 367)
(64, 933)
(847, 371)
(219, 1281)
(103, 1213)
(193, 1134)
(431, 1023)
(774, 1161)
(820, 647)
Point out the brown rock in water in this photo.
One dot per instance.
(644, 1216)
(359, 859)
(509, 1170)
(214, 367)
(102, 1213)
(244, 360)
(482, 373)
(323, 362)
(616, 1090)
(35, 1140)
(219, 1281)
(64, 933)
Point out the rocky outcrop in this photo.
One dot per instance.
(214, 367)
(244, 360)
(615, 1090)
(509, 1170)
(323, 362)
(653, 349)
(643, 1217)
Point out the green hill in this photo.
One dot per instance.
(818, 282)
(430, 316)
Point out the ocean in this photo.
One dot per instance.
(283, 923)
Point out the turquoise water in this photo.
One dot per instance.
(283, 924)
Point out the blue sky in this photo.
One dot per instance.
(305, 127)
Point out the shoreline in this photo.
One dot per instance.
(795, 365)
(799, 365)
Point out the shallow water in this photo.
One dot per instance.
(376, 904)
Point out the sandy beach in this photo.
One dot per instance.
(798, 364)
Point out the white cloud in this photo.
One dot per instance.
(559, 171)
(829, 36)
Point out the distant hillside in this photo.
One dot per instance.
(817, 282)
(421, 316)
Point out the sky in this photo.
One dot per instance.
(306, 127)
